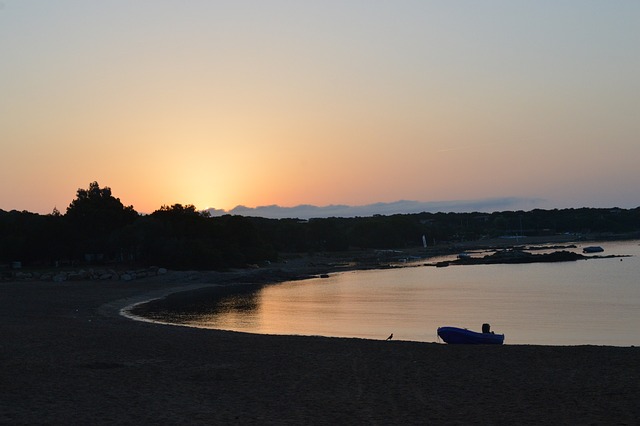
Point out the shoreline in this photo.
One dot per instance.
(186, 299)
(311, 264)
(67, 356)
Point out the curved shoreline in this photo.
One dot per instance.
(129, 305)
(180, 305)
(68, 357)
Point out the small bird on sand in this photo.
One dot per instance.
(390, 336)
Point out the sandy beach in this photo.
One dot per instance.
(69, 357)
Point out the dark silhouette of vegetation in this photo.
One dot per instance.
(97, 220)
(98, 228)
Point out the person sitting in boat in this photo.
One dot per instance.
(486, 328)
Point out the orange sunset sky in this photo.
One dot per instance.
(221, 103)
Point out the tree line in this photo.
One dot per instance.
(98, 229)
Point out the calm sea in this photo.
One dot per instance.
(594, 302)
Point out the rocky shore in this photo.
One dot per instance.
(518, 256)
(84, 274)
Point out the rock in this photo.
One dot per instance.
(23, 275)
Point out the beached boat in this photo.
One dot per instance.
(455, 335)
(592, 249)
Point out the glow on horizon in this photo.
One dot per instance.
(219, 104)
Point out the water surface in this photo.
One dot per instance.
(594, 301)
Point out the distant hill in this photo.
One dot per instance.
(306, 211)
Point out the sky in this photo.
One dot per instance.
(257, 103)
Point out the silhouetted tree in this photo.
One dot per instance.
(98, 217)
(97, 211)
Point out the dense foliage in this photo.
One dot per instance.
(98, 228)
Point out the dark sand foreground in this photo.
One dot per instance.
(68, 357)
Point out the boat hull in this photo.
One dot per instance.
(593, 249)
(462, 336)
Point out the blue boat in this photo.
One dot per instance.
(455, 335)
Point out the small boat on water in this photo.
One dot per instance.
(592, 249)
(456, 335)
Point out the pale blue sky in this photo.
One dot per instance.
(220, 103)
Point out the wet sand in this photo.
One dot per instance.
(68, 357)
